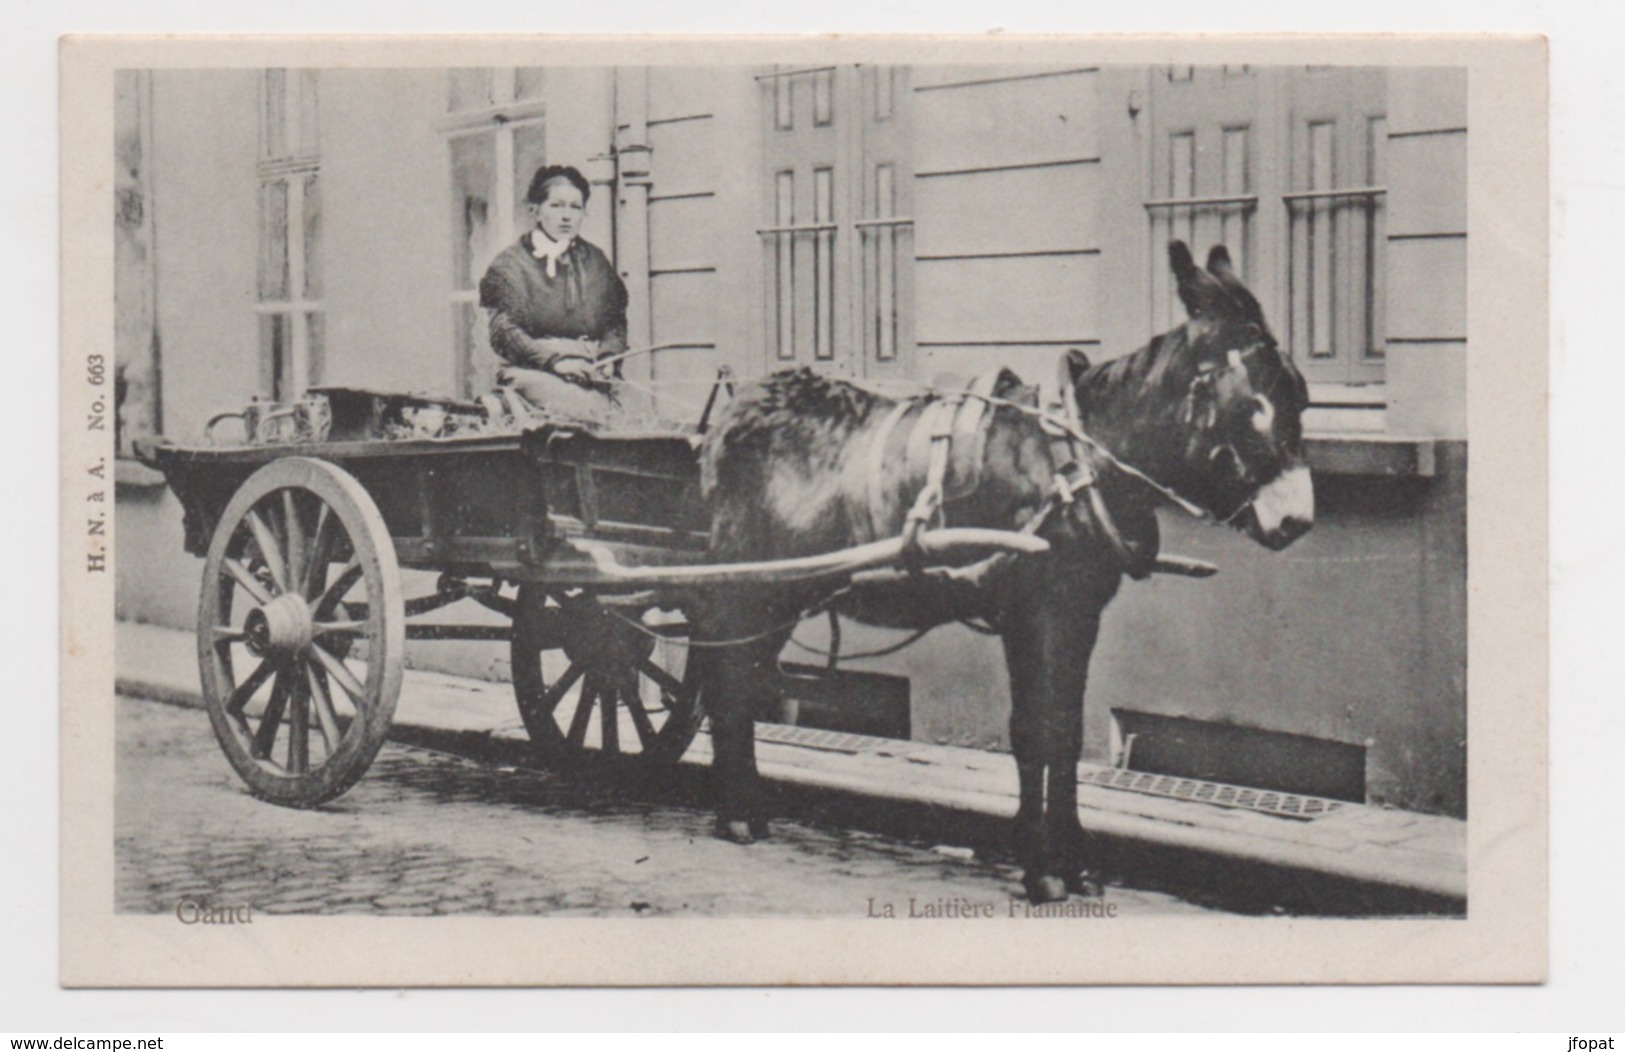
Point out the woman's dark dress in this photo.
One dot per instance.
(536, 319)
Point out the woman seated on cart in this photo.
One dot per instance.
(558, 308)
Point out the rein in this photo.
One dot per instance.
(1071, 425)
(1072, 428)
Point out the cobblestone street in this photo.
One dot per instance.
(429, 833)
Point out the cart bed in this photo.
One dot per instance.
(489, 504)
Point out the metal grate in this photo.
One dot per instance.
(1287, 805)
(812, 738)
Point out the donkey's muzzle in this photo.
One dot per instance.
(1283, 511)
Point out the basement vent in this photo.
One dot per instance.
(1287, 805)
(1224, 754)
(851, 704)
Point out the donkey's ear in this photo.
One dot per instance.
(1219, 265)
(1180, 259)
(1197, 288)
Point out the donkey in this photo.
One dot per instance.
(1208, 414)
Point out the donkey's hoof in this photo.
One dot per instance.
(736, 831)
(1088, 885)
(1045, 889)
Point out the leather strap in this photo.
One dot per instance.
(1067, 456)
(943, 446)
(971, 425)
(878, 457)
(936, 427)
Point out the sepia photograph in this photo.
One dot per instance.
(759, 495)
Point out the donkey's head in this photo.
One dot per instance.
(1242, 411)
(1214, 410)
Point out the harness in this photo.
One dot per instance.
(1074, 475)
(946, 442)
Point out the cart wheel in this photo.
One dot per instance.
(302, 590)
(642, 690)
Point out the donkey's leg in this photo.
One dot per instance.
(1047, 654)
(1024, 658)
(738, 677)
(1063, 747)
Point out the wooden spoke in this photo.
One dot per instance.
(298, 725)
(248, 581)
(265, 737)
(245, 690)
(270, 551)
(327, 721)
(555, 693)
(340, 628)
(640, 719)
(348, 576)
(333, 697)
(342, 676)
(669, 683)
(320, 545)
(609, 718)
(224, 634)
(577, 735)
(294, 531)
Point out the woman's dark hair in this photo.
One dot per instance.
(547, 175)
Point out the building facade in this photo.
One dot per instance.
(279, 229)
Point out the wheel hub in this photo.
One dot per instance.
(600, 641)
(284, 626)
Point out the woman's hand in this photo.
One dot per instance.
(576, 370)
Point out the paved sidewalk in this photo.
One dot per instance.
(1368, 859)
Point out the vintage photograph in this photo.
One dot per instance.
(1014, 490)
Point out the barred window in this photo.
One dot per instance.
(1285, 168)
(837, 238)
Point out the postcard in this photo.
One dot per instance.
(705, 511)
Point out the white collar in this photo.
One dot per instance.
(549, 251)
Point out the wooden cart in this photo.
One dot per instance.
(585, 544)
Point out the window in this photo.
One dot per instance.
(290, 261)
(496, 138)
(837, 238)
(1285, 167)
(1335, 224)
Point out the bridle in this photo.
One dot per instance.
(1204, 384)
